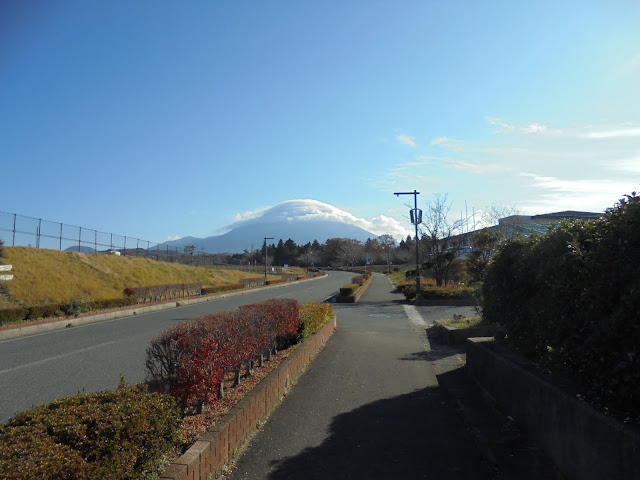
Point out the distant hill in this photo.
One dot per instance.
(302, 221)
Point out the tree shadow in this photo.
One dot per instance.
(415, 435)
(431, 355)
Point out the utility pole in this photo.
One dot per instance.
(416, 219)
(265, 257)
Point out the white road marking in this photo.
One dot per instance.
(56, 357)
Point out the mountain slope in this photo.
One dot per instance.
(301, 220)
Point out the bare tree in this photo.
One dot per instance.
(387, 242)
(437, 230)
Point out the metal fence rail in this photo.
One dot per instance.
(20, 230)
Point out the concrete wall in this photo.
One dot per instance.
(206, 458)
(584, 444)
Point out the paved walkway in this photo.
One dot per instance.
(368, 407)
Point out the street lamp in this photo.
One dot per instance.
(416, 219)
(265, 258)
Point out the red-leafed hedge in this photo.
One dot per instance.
(189, 360)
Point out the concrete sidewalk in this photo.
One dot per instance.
(370, 406)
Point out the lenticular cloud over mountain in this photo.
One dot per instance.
(303, 221)
(313, 210)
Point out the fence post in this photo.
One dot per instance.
(38, 233)
(79, 238)
(60, 236)
(13, 243)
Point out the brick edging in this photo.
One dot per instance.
(214, 449)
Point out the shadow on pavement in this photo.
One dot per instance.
(431, 356)
(416, 435)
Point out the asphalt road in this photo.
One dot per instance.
(369, 406)
(40, 368)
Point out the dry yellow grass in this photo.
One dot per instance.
(50, 276)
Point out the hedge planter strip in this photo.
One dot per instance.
(351, 293)
(207, 457)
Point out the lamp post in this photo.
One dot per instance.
(265, 257)
(416, 219)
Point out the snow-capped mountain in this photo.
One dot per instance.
(301, 220)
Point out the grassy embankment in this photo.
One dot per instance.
(48, 276)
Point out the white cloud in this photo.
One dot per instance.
(577, 167)
(171, 237)
(622, 132)
(305, 209)
(530, 128)
(557, 194)
(407, 140)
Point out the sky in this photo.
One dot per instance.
(162, 119)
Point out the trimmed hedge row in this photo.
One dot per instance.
(117, 435)
(221, 288)
(19, 314)
(571, 298)
(429, 292)
(312, 317)
(189, 360)
(163, 292)
(350, 289)
(252, 282)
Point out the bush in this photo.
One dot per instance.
(111, 303)
(44, 311)
(117, 435)
(277, 280)
(570, 297)
(163, 292)
(348, 290)
(13, 315)
(221, 288)
(189, 360)
(450, 292)
(312, 317)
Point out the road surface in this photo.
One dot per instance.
(369, 406)
(40, 368)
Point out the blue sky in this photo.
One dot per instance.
(159, 119)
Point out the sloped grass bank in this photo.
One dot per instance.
(48, 276)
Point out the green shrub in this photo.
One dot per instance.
(111, 303)
(312, 317)
(221, 288)
(347, 290)
(44, 311)
(450, 292)
(13, 315)
(29, 453)
(570, 298)
(117, 435)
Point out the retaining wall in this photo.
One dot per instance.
(583, 443)
(206, 458)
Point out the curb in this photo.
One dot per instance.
(208, 456)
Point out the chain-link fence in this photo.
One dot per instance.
(20, 230)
